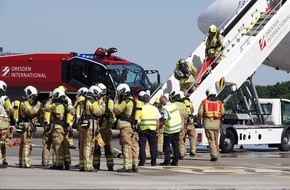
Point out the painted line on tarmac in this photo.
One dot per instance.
(212, 170)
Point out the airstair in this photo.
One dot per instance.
(249, 37)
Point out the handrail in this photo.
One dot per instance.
(260, 25)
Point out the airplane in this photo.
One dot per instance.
(220, 10)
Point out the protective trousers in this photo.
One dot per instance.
(25, 146)
(191, 133)
(106, 135)
(46, 142)
(135, 150)
(3, 139)
(60, 146)
(212, 136)
(160, 140)
(126, 143)
(86, 147)
(181, 143)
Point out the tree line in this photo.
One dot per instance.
(279, 90)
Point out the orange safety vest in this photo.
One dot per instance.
(212, 109)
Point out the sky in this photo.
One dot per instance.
(152, 33)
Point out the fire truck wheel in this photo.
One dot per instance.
(227, 141)
(285, 141)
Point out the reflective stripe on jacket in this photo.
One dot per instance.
(212, 109)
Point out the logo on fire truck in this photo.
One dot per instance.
(5, 71)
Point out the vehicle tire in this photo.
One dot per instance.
(285, 141)
(227, 141)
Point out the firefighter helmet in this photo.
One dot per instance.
(3, 86)
(95, 91)
(57, 93)
(123, 89)
(141, 94)
(29, 91)
(210, 92)
(63, 88)
(103, 88)
(82, 91)
(212, 29)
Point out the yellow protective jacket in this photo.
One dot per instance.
(124, 111)
(108, 117)
(191, 78)
(214, 45)
(6, 109)
(210, 112)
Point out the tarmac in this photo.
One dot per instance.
(249, 168)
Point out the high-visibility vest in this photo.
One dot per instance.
(173, 123)
(148, 118)
(212, 109)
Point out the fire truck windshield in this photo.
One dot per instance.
(131, 74)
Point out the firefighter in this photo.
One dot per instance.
(190, 128)
(6, 134)
(160, 129)
(210, 113)
(70, 120)
(58, 108)
(89, 127)
(29, 109)
(46, 137)
(185, 72)
(172, 126)
(149, 121)
(128, 136)
(106, 123)
(176, 97)
(213, 49)
(79, 106)
(214, 44)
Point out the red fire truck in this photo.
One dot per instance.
(73, 70)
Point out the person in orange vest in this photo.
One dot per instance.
(210, 113)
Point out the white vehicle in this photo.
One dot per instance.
(254, 121)
(251, 38)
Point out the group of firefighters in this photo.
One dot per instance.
(162, 125)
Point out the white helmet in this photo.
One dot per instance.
(176, 95)
(82, 91)
(123, 89)
(57, 93)
(141, 94)
(29, 91)
(3, 86)
(210, 91)
(180, 93)
(103, 88)
(95, 91)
